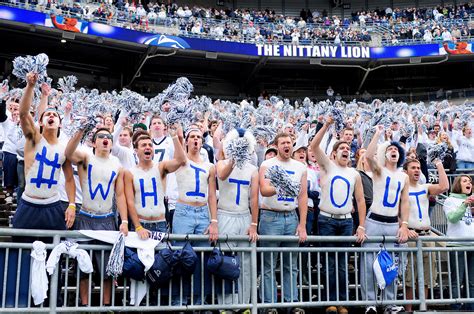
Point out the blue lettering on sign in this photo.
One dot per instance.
(287, 199)
(416, 194)
(198, 182)
(39, 180)
(331, 191)
(160, 151)
(99, 186)
(239, 183)
(386, 203)
(145, 194)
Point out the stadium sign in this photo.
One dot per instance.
(313, 51)
(247, 49)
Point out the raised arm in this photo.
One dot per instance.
(224, 168)
(72, 154)
(43, 104)
(121, 202)
(372, 149)
(443, 184)
(404, 213)
(26, 120)
(321, 157)
(179, 158)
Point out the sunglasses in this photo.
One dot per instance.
(104, 136)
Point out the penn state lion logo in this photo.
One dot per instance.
(167, 41)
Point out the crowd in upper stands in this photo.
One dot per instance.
(394, 25)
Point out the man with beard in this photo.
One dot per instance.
(390, 201)
(338, 183)
(278, 217)
(101, 177)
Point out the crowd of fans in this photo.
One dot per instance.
(394, 25)
(83, 160)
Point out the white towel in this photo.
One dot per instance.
(39, 278)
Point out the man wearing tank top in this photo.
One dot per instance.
(101, 177)
(40, 207)
(278, 217)
(419, 222)
(338, 183)
(144, 184)
(196, 209)
(388, 214)
(238, 192)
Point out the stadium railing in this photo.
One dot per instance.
(177, 26)
(312, 274)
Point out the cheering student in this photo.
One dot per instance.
(338, 183)
(144, 184)
(419, 221)
(40, 207)
(196, 209)
(390, 201)
(238, 192)
(278, 217)
(101, 177)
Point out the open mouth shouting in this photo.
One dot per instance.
(50, 121)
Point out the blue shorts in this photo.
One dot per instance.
(10, 176)
(35, 216)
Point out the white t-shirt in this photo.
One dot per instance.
(98, 186)
(387, 192)
(462, 228)
(337, 188)
(234, 192)
(42, 178)
(149, 191)
(419, 217)
(296, 170)
(192, 180)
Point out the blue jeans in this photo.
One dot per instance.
(190, 220)
(461, 164)
(279, 223)
(159, 226)
(457, 265)
(336, 227)
(21, 179)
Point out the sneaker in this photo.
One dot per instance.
(392, 309)
(9, 200)
(297, 310)
(271, 311)
(331, 310)
(371, 310)
(342, 310)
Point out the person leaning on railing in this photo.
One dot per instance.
(458, 208)
(419, 222)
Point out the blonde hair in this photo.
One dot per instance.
(439, 140)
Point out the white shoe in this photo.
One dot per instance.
(9, 200)
(392, 309)
(370, 310)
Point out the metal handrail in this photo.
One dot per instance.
(171, 24)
